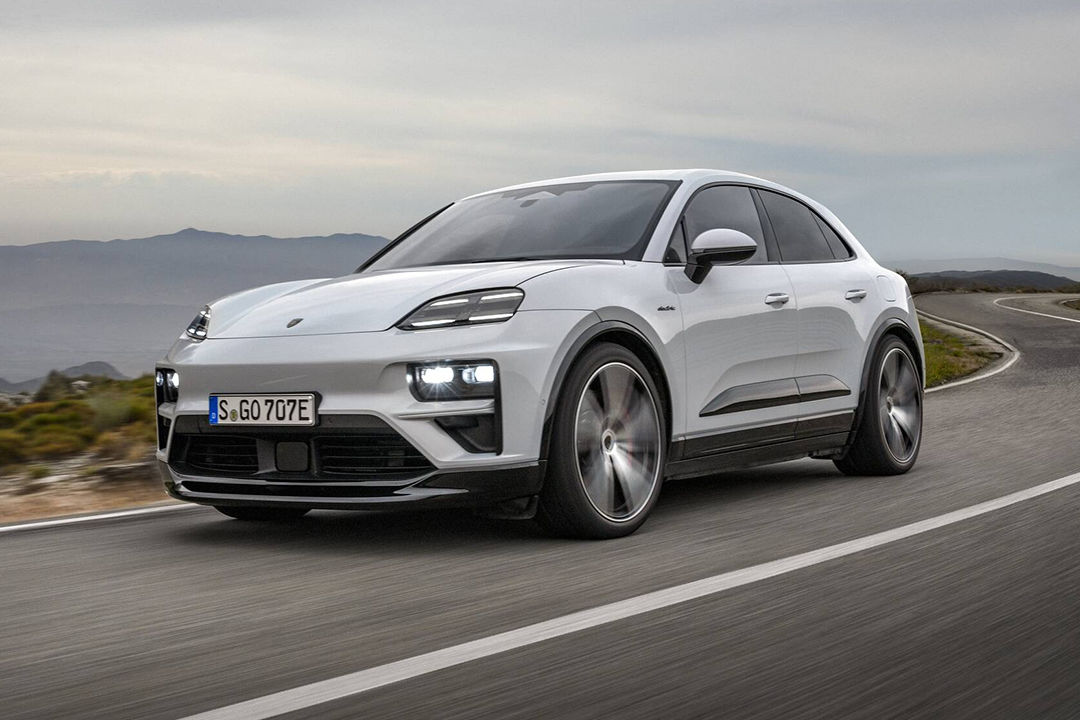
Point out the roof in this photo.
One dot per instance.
(696, 177)
(691, 174)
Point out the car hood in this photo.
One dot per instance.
(365, 302)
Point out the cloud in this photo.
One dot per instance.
(323, 116)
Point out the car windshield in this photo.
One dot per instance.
(607, 219)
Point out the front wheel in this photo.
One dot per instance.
(889, 434)
(261, 514)
(608, 447)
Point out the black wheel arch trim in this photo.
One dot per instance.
(890, 325)
(585, 338)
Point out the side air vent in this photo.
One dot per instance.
(370, 455)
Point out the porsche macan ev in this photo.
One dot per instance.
(557, 349)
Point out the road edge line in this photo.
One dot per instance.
(1013, 351)
(1032, 312)
(77, 519)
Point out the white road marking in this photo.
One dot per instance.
(317, 693)
(1015, 354)
(100, 516)
(1032, 312)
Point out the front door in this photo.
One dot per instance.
(740, 332)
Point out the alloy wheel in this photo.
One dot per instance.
(900, 404)
(617, 436)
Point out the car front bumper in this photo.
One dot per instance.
(471, 488)
(364, 375)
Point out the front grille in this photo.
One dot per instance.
(380, 455)
(341, 448)
(222, 454)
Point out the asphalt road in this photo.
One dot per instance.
(169, 615)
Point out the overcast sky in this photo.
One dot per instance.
(933, 128)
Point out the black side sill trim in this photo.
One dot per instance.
(820, 387)
(771, 393)
(763, 435)
(753, 396)
(755, 455)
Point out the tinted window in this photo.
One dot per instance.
(725, 206)
(796, 229)
(576, 220)
(839, 247)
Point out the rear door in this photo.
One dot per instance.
(837, 300)
(740, 328)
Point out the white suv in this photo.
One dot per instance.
(557, 350)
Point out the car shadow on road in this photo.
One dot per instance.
(437, 531)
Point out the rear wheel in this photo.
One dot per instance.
(608, 447)
(262, 514)
(889, 434)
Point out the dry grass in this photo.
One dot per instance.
(67, 499)
(950, 357)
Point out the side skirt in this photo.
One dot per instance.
(759, 446)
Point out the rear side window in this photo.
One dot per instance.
(796, 228)
(725, 206)
(839, 248)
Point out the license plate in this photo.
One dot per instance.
(262, 409)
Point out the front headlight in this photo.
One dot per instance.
(473, 308)
(200, 325)
(466, 380)
(167, 385)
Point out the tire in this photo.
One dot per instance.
(261, 514)
(889, 434)
(608, 448)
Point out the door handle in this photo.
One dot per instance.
(776, 298)
(855, 295)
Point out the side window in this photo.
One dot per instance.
(796, 229)
(725, 206)
(839, 248)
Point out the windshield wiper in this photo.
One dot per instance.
(518, 258)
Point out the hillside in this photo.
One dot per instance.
(995, 279)
(922, 266)
(94, 368)
(125, 301)
(185, 268)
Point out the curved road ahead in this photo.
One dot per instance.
(169, 615)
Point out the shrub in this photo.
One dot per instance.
(56, 441)
(12, 447)
(115, 417)
(56, 386)
(112, 445)
(112, 409)
(34, 408)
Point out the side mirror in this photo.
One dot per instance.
(722, 246)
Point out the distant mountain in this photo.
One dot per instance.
(915, 266)
(189, 267)
(95, 368)
(125, 301)
(1000, 279)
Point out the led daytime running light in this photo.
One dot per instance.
(200, 325)
(475, 308)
